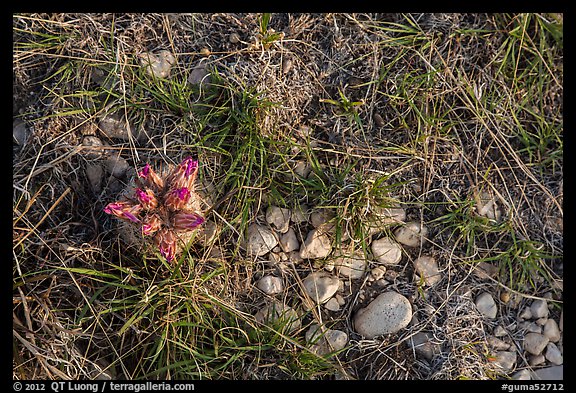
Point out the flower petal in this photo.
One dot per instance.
(177, 198)
(184, 174)
(151, 224)
(124, 210)
(166, 241)
(147, 198)
(151, 178)
(187, 221)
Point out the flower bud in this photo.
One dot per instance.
(177, 198)
(146, 198)
(151, 224)
(187, 221)
(185, 174)
(151, 178)
(166, 241)
(124, 210)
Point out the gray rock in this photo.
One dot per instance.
(351, 266)
(486, 206)
(20, 133)
(157, 65)
(423, 346)
(552, 331)
(526, 313)
(234, 38)
(259, 240)
(270, 285)
(378, 272)
(302, 169)
(320, 217)
(535, 343)
(278, 218)
(200, 75)
(115, 126)
(554, 373)
(116, 165)
(561, 323)
(299, 214)
(336, 339)
(320, 286)
(92, 146)
(536, 360)
(324, 340)
(484, 270)
(317, 245)
(541, 321)
(294, 257)
(280, 316)
(553, 354)
(314, 334)
(382, 217)
(386, 251)
(522, 375)
(539, 309)
(289, 242)
(332, 305)
(413, 234)
(499, 331)
(505, 359)
(497, 344)
(387, 314)
(427, 267)
(530, 327)
(486, 305)
(94, 173)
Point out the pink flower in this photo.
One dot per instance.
(187, 221)
(124, 210)
(151, 178)
(166, 241)
(177, 198)
(146, 198)
(151, 224)
(185, 174)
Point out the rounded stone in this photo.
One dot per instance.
(413, 234)
(535, 343)
(279, 315)
(270, 285)
(94, 173)
(320, 286)
(388, 313)
(352, 267)
(427, 268)
(522, 375)
(317, 245)
(278, 218)
(505, 359)
(552, 331)
(332, 305)
(116, 165)
(386, 251)
(486, 305)
(539, 309)
(289, 241)
(259, 240)
(553, 354)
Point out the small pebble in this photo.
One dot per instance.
(234, 38)
(332, 305)
(553, 354)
